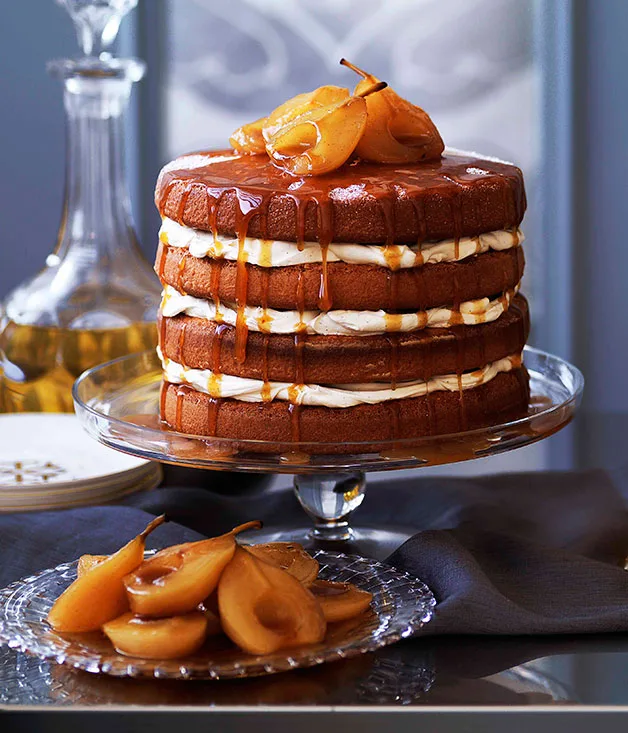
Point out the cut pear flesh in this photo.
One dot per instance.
(164, 638)
(177, 579)
(264, 609)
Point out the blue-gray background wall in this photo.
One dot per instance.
(32, 142)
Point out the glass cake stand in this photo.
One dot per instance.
(118, 404)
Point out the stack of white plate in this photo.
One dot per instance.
(47, 461)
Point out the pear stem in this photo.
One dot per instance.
(371, 90)
(153, 525)
(355, 68)
(248, 525)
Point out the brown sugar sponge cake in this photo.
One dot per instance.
(373, 303)
(340, 278)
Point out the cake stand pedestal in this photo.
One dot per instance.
(118, 404)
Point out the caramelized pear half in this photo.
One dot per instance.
(299, 105)
(321, 139)
(340, 601)
(98, 596)
(249, 138)
(163, 638)
(178, 578)
(396, 131)
(264, 609)
(291, 557)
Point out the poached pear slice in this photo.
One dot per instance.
(322, 138)
(291, 557)
(177, 579)
(264, 609)
(99, 596)
(163, 638)
(396, 130)
(340, 601)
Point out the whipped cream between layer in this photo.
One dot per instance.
(271, 253)
(336, 323)
(341, 395)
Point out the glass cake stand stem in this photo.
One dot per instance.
(329, 499)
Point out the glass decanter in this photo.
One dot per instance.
(97, 297)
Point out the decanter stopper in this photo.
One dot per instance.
(97, 22)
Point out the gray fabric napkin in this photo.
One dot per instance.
(538, 553)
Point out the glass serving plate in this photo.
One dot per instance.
(118, 404)
(401, 606)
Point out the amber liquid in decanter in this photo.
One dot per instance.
(97, 297)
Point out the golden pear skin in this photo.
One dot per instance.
(99, 595)
(164, 638)
(264, 609)
(396, 130)
(323, 138)
(291, 557)
(302, 103)
(177, 579)
(340, 601)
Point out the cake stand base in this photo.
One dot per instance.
(374, 542)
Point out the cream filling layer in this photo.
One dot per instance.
(271, 253)
(341, 395)
(336, 323)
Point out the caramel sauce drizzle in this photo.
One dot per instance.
(161, 264)
(248, 206)
(215, 380)
(179, 408)
(162, 400)
(294, 390)
(265, 320)
(325, 221)
(181, 344)
(180, 273)
(212, 201)
(162, 332)
(460, 363)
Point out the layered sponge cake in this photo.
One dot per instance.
(371, 303)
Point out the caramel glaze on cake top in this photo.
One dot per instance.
(455, 196)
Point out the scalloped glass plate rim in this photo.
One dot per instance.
(417, 441)
(404, 621)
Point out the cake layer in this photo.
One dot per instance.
(458, 195)
(339, 396)
(502, 398)
(204, 344)
(335, 322)
(347, 286)
(270, 253)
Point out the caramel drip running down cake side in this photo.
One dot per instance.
(374, 301)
